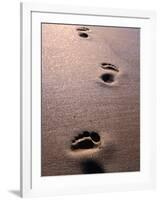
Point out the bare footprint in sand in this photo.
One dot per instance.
(86, 140)
(82, 31)
(110, 74)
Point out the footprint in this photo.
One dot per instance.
(111, 72)
(82, 31)
(86, 140)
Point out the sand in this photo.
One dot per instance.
(82, 93)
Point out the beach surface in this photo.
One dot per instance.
(90, 103)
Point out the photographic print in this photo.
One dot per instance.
(87, 100)
(90, 99)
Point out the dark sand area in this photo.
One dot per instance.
(90, 99)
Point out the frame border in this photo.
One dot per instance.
(26, 86)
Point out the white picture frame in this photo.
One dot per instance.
(32, 184)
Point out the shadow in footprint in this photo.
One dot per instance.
(83, 28)
(108, 77)
(86, 140)
(90, 166)
(109, 66)
(83, 35)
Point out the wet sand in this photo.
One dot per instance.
(90, 99)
